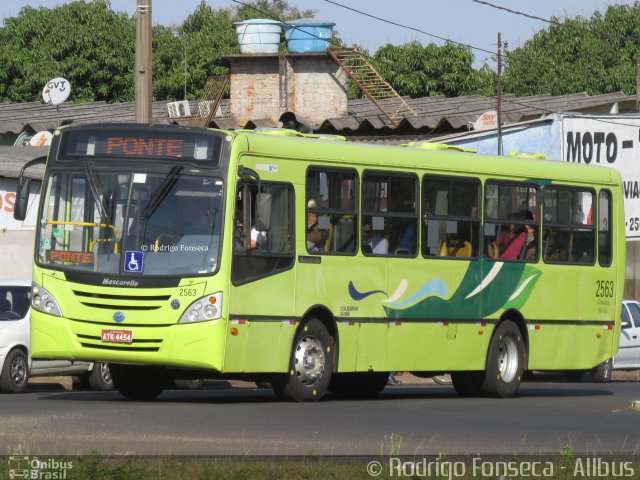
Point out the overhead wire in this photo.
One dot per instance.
(272, 17)
(409, 27)
(456, 111)
(557, 23)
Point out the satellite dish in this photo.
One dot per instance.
(41, 139)
(486, 121)
(56, 91)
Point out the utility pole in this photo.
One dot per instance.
(499, 94)
(143, 62)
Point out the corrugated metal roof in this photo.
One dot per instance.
(13, 158)
(442, 113)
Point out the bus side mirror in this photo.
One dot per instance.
(22, 198)
(264, 203)
(24, 187)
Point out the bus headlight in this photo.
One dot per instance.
(203, 309)
(43, 301)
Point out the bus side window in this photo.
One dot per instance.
(261, 253)
(331, 211)
(450, 217)
(389, 214)
(605, 241)
(511, 226)
(570, 234)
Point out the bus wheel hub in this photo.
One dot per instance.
(309, 361)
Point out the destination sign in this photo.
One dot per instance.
(165, 144)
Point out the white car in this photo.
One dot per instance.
(15, 360)
(628, 357)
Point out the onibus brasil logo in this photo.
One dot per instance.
(38, 469)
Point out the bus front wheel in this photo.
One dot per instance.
(310, 365)
(138, 383)
(505, 361)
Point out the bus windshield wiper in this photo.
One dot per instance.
(161, 192)
(96, 189)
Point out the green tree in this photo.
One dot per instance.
(209, 35)
(570, 57)
(87, 43)
(418, 71)
(273, 9)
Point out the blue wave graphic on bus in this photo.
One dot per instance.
(437, 286)
(357, 296)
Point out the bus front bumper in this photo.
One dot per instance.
(194, 345)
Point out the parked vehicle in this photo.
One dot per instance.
(15, 363)
(628, 357)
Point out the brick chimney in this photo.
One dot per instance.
(264, 86)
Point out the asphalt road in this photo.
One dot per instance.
(426, 419)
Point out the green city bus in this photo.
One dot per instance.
(319, 265)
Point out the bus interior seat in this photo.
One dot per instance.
(443, 249)
(329, 240)
(460, 249)
(454, 248)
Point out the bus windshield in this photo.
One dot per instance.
(113, 221)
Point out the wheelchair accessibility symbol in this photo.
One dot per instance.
(133, 261)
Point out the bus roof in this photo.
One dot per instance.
(442, 161)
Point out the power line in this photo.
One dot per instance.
(557, 23)
(330, 41)
(409, 27)
(466, 98)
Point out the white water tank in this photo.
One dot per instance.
(259, 35)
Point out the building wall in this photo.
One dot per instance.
(266, 86)
(16, 237)
(17, 254)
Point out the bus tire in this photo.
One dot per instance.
(137, 383)
(602, 373)
(15, 372)
(359, 384)
(310, 365)
(467, 384)
(505, 361)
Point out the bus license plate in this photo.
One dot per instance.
(117, 336)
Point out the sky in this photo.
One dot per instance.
(463, 21)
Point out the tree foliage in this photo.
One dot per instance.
(568, 58)
(87, 43)
(94, 48)
(417, 70)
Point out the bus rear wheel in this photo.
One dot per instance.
(310, 366)
(505, 361)
(138, 383)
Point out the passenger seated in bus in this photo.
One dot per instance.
(377, 244)
(509, 243)
(315, 236)
(258, 237)
(407, 242)
(555, 250)
(530, 250)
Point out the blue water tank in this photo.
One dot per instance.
(308, 35)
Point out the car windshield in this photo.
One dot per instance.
(117, 222)
(14, 302)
